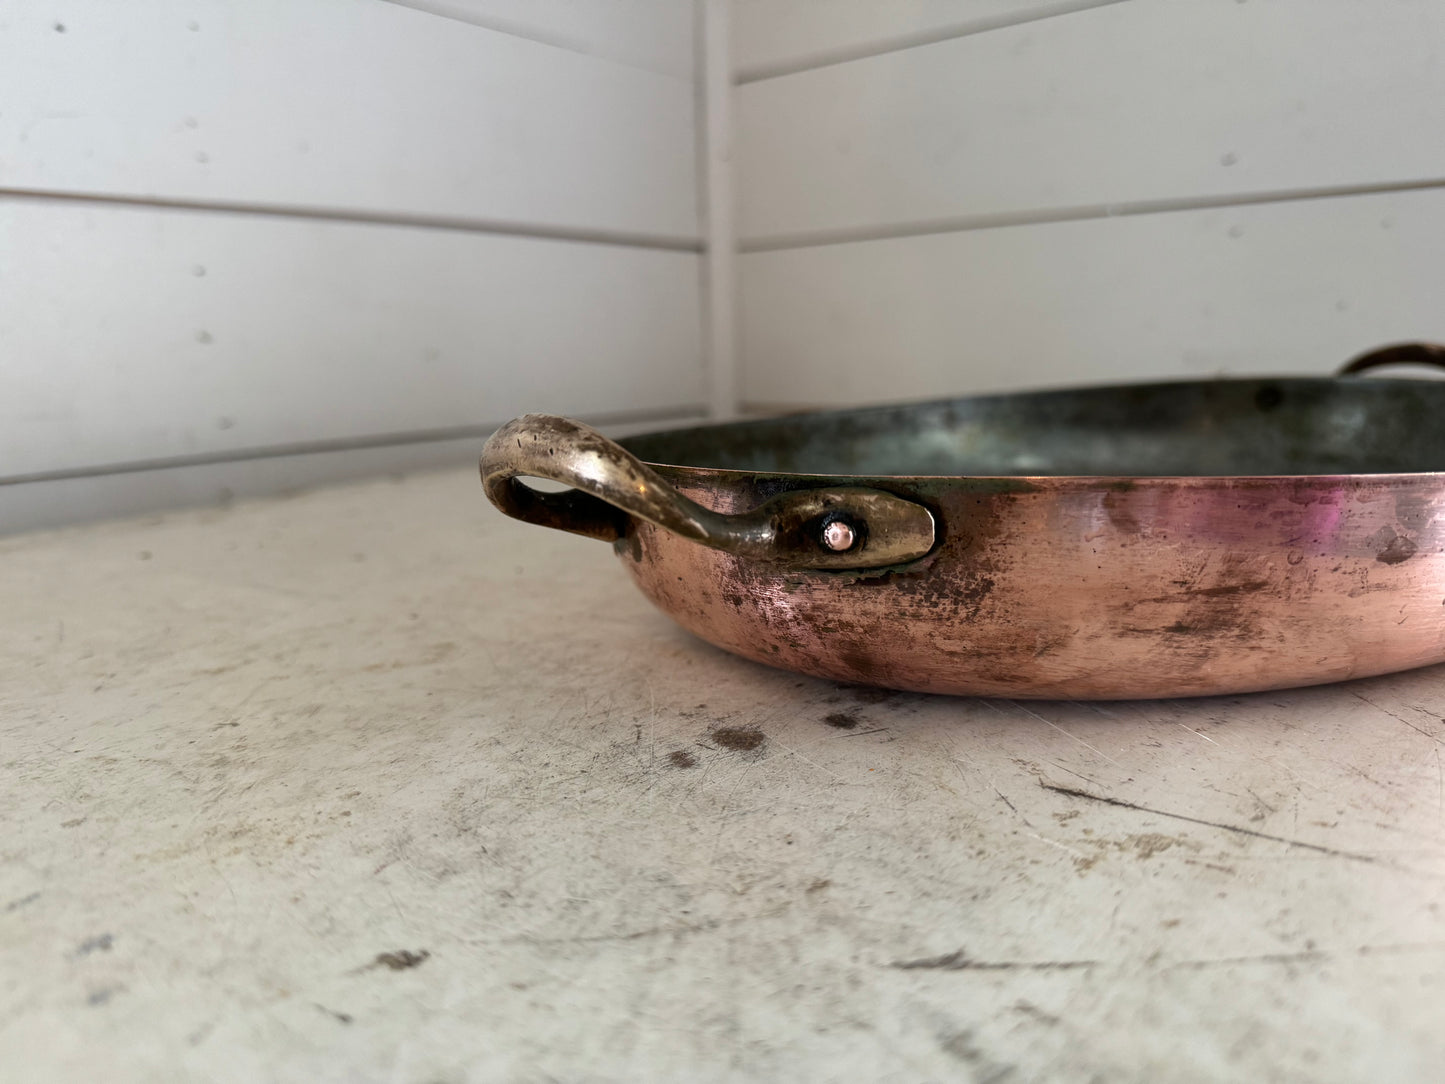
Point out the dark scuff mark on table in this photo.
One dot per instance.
(681, 758)
(400, 960)
(1305, 957)
(341, 1017)
(842, 720)
(961, 1046)
(739, 739)
(100, 997)
(961, 961)
(1321, 849)
(1398, 718)
(690, 929)
(1029, 1009)
(99, 943)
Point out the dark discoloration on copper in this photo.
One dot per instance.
(869, 694)
(1222, 589)
(1268, 398)
(1190, 587)
(628, 546)
(1395, 548)
(1116, 507)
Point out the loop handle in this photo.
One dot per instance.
(836, 527)
(1397, 354)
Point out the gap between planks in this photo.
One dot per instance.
(1081, 213)
(828, 58)
(363, 217)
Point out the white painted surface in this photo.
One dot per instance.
(413, 161)
(86, 498)
(653, 34)
(1289, 287)
(773, 36)
(720, 223)
(138, 334)
(362, 106)
(246, 752)
(1128, 102)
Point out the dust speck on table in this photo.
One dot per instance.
(23, 901)
(339, 1017)
(99, 943)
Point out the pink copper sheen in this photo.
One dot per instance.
(1091, 587)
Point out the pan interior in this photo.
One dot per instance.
(1220, 427)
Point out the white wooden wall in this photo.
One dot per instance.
(245, 245)
(944, 196)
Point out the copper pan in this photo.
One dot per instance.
(1157, 540)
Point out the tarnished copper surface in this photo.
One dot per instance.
(1064, 587)
(1168, 539)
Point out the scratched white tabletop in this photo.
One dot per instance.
(372, 784)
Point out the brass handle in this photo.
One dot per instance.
(836, 527)
(1397, 354)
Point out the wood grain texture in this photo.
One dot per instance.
(1127, 102)
(361, 106)
(657, 35)
(1290, 287)
(137, 334)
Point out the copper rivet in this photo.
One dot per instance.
(838, 536)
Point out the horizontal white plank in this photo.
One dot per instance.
(38, 505)
(1290, 287)
(775, 36)
(134, 334)
(652, 34)
(347, 105)
(1139, 101)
